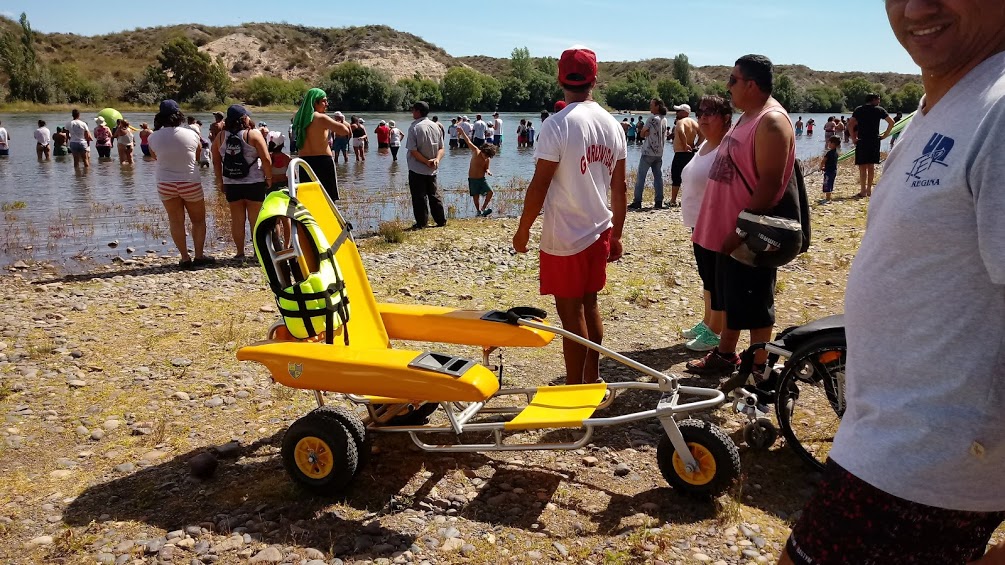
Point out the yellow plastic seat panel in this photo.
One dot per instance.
(357, 370)
(366, 329)
(421, 322)
(559, 407)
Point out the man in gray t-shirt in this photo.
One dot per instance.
(424, 144)
(917, 470)
(654, 136)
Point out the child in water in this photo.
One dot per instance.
(477, 169)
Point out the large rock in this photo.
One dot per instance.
(267, 555)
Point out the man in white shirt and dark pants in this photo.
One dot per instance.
(424, 144)
(580, 156)
(478, 131)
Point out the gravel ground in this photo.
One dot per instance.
(120, 387)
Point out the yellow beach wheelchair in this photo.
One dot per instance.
(333, 336)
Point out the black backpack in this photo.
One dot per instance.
(234, 164)
(795, 205)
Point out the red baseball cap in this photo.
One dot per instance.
(577, 66)
(559, 106)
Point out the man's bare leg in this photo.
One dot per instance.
(571, 312)
(871, 173)
(595, 331)
(862, 174)
(729, 339)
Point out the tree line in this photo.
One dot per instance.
(184, 73)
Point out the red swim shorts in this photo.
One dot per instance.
(575, 276)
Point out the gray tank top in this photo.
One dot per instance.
(255, 173)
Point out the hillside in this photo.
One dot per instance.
(283, 50)
(96, 68)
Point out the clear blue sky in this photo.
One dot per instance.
(847, 35)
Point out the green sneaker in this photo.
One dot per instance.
(695, 330)
(704, 341)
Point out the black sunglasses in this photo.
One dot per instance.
(733, 79)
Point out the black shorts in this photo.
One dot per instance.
(680, 160)
(254, 191)
(383, 145)
(746, 294)
(867, 151)
(706, 261)
(850, 521)
(324, 167)
(453, 144)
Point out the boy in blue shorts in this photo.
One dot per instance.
(829, 165)
(477, 169)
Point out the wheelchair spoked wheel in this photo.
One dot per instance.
(811, 399)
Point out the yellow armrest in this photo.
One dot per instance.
(414, 322)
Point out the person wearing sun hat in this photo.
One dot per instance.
(580, 156)
(311, 128)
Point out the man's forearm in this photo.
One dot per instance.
(532, 204)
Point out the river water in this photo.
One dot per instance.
(67, 217)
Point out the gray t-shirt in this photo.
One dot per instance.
(657, 138)
(426, 137)
(925, 310)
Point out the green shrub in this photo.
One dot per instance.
(266, 90)
(392, 232)
(203, 100)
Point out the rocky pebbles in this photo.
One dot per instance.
(132, 434)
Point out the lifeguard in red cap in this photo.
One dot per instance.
(580, 155)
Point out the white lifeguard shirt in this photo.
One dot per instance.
(586, 142)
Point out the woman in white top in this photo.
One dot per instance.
(43, 141)
(395, 139)
(714, 118)
(124, 141)
(174, 145)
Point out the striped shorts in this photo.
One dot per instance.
(187, 191)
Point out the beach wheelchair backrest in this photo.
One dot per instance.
(313, 267)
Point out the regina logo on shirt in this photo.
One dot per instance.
(935, 153)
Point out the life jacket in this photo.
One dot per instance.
(303, 274)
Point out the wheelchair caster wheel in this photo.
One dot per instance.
(760, 434)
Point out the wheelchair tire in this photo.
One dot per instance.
(717, 456)
(810, 399)
(319, 454)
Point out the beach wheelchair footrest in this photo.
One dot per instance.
(559, 407)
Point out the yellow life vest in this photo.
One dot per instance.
(302, 271)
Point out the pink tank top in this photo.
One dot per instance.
(731, 182)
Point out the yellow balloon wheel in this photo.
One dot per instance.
(706, 465)
(314, 457)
